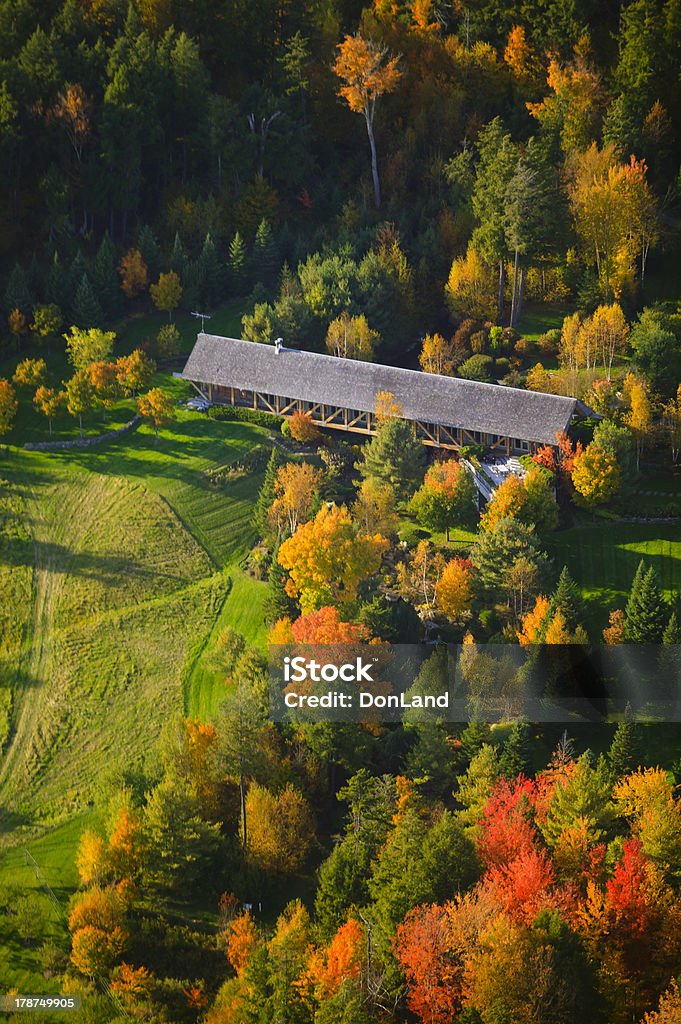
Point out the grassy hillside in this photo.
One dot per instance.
(126, 561)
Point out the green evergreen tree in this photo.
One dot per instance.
(394, 456)
(192, 285)
(476, 734)
(430, 762)
(516, 755)
(87, 311)
(265, 258)
(647, 612)
(672, 631)
(267, 494)
(18, 293)
(211, 274)
(150, 251)
(567, 597)
(178, 258)
(35, 277)
(670, 655)
(76, 270)
(624, 750)
(105, 278)
(57, 285)
(238, 276)
(278, 604)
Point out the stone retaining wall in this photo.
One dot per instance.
(83, 442)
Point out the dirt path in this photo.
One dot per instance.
(48, 574)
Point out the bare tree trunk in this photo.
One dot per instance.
(500, 296)
(515, 289)
(242, 796)
(374, 159)
(521, 295)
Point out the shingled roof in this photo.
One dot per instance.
(427, 397)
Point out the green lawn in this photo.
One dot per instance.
(134, 558)
(537, 320)
(54, 853)
(603, 559)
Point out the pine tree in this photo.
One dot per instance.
(265, 257)
(624, 749)
(178, 258)
(474, 736)
(267, 493)
(18, 293)
(76, 270)
(238, 278)
(105, 278)
(192, 284)
(211, 273)
(670, 654)
(515, 757)
(394, 456)
(57, 286)
(672, 631)
(568, 599)
(647, 612)
(87, 311)
(278, 604)
(150, 252)
(35, 277)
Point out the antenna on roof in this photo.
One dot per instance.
(204, 317)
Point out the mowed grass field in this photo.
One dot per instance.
(119, 565)
(603, 558)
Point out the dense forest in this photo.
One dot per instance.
(483, 190)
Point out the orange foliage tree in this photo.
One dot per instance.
(133, 272)
(433, 974)
(367, 72)
(156, 406)
(303, 429)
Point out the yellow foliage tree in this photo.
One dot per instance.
(454, 590)
(328, 558)
(295, 486)
(350, 337)
(374, 508)
(280, 829)
(470, 288)
(166, 293)
(437, 355)
(30, 373)
(596, 475)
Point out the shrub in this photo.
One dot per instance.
(478, 342)
(477, 367)
(229, 412)
(524, 347)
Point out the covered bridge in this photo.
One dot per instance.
(447, 412)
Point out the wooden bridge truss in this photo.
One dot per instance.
(355, 421)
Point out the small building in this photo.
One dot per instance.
(340, 394)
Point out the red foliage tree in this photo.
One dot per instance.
(507, 830)
(432, 972)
